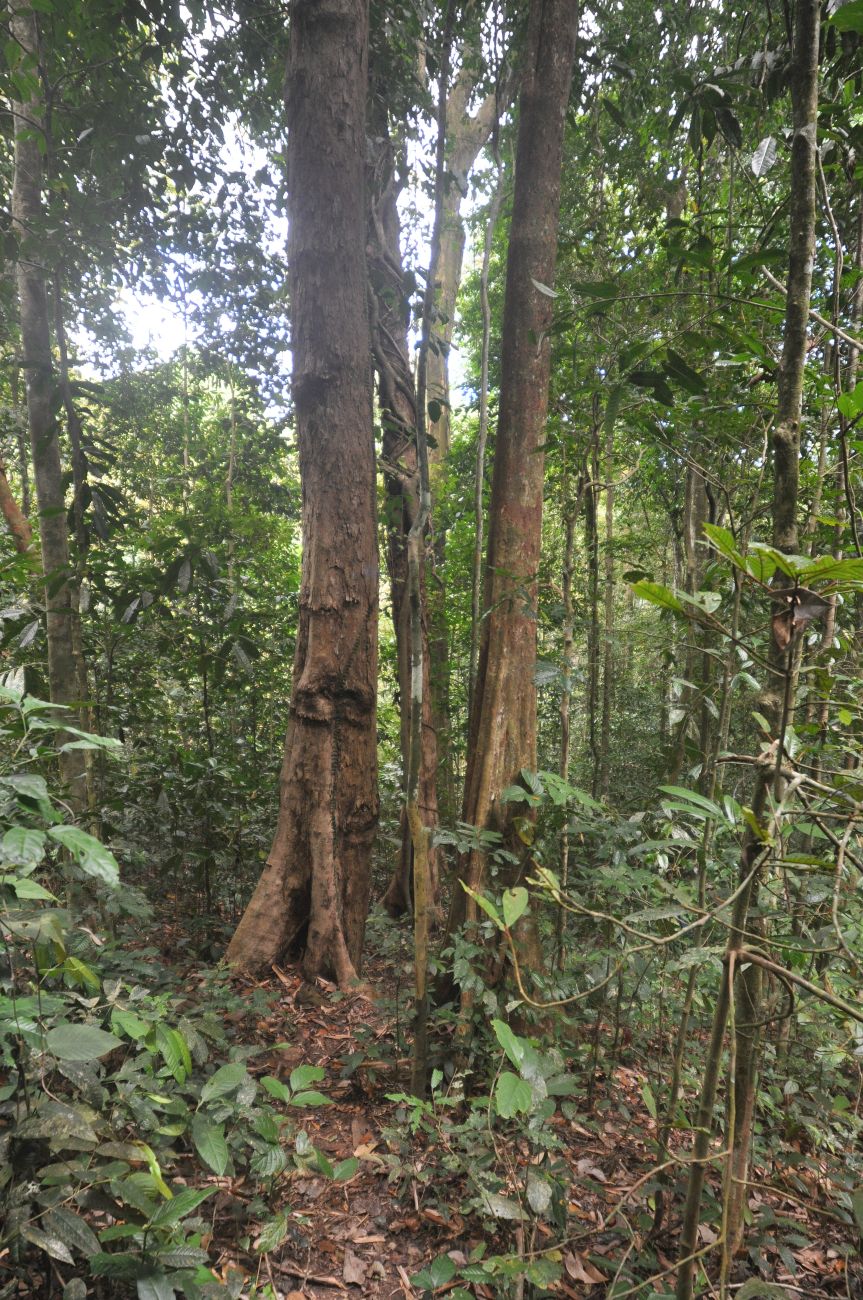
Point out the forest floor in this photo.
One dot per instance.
(369, 1235)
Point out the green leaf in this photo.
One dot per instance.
(723, 541)
(310, 1099)
(183, 1257)
(657, 594)
(511, 1044)
(71, 1228)
(851, 404)
(29, 890)
(210, 1144)
(512, 1095)
(678, 369)
(649, 1099)
(757, 1289)
(272, 1234)
(155, 1286)
(346, 1169)
(180, 1206)
(91, 856)
(441, 1270)
(226, 1079)
(80, 1042)
(849, 17)
(23, 848)
(276, 1088)
(174, 1051)
(303, 1075)
(515, 903)
(487, 906)
(129, 1024)
(53, 1246)
(692, 796)
(543, 288)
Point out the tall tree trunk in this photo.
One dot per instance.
(28, 220)
(503, 721)
(398, 403)
(482, 433)
(780, 691)
(315, 886)
(466, 136)
(608, 656)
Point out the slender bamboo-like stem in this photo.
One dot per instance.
(779, 692)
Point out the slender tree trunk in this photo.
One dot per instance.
(28, 220)
(466, 136)
(397, 397)
(786, 452)
(503, 721)
(482, 434)
(608, 656)
(570, 517)
(591, 545)
(314, 890)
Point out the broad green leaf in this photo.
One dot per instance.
(511, 1044)
(91, 855)
(849, 17)
(310, 1099)
(180, 1206)
(303, 1075)
(487, 906)
(23, 848)
(723, 540)
(71, 1228)
(210, 1144)
(29, 890)
(227, 1078)
(649, 1099)
(512, 1095)
(346, 1169)
(276, 1088)
(126, 1022)
(272, 1234)
(657, 594)
(155, 1286)
(80, 1042)
(515, 903)
(692, 796)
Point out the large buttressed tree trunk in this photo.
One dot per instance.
(314, 890)
(28, 223)
(503, 723)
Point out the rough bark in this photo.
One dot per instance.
(313, 894)
(503, 723)
(779, 694)
(28, 221)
